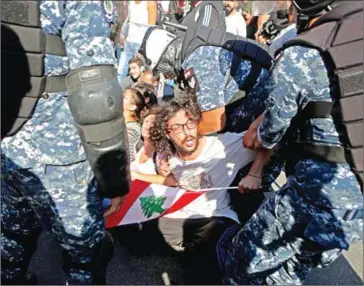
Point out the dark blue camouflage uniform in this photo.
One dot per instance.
(318, 213)
(216, 88)
(46, 181)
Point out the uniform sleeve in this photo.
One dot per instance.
(290, 82)
(84, 29)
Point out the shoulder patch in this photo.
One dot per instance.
(108, 8)
(191, 79)
(188, 73)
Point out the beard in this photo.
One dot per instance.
(135, 79)
(182, 148)
(228, 10)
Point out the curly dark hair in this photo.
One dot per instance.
(186, 101)
(154, 110)
(147, 90)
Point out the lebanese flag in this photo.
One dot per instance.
(147, 201)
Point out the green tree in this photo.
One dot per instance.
(151, 205)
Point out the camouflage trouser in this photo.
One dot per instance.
(286, 238)
(61, 199)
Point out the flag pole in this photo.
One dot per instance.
(218, 189)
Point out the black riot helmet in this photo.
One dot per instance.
(308, 9)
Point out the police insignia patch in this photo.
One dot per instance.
(191, 79)
(109, 9)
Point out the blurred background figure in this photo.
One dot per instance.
(161, 86)
(135, 70)
(250, 20)
(122, 10)
(140, 15)
(272, 16)
(163, 8)
(279, 28)
(144, 149)
(150, 78)
(133, 105)
(235, 22)
(178, 9)
(148, 92)
(278, 21)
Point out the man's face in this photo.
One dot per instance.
(247, 16)
(231, 6)
(182, 132)
(134, 70)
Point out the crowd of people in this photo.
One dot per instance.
(240, 20)
(170, 145)
(223, 125)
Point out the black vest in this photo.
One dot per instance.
(338, 35)
(23, 47)
(198, 34)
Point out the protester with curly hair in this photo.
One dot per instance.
(144, 164)
(198, 163)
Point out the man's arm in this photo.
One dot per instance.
(291, 79)
(152, 12)
(261, 20)
(169, 181)
(250, 136)
(253, 180)
(282, 106)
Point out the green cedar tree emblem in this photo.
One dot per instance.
(108, 6)
(151, 205)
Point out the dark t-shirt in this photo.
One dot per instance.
(252, 28)
(253, 25)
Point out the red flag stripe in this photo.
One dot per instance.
(183, 201)
(137, 188)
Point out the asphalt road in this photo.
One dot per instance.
(128, 269)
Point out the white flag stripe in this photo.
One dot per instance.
(135, 213)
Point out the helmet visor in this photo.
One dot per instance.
(267, 7)
(155, 42)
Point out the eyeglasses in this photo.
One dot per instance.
(178, 128)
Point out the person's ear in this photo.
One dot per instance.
(132, 107)
(142, 68)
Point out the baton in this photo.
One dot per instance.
(177, 26)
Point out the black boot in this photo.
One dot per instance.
(29, 243)
(98, 264)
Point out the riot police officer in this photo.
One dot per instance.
(48, 173)
(318, 116)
